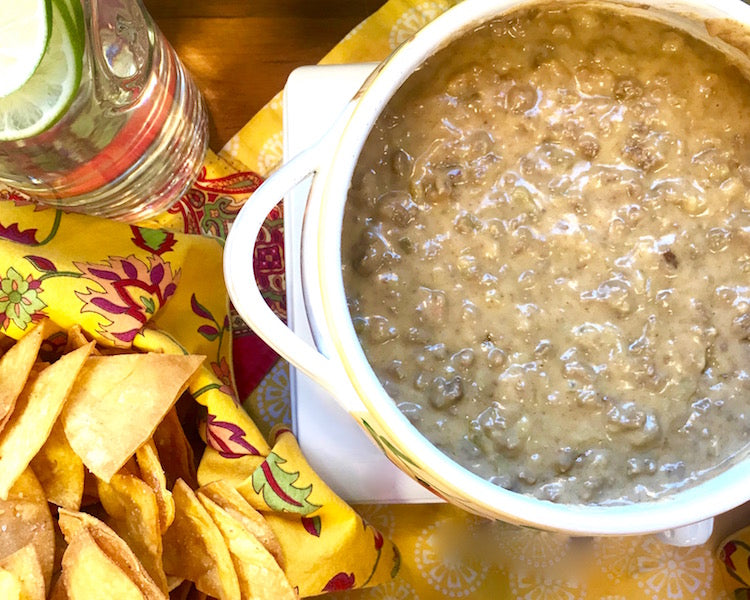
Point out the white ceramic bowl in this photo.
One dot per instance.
(339, 364)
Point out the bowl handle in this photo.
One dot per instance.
(243, 288)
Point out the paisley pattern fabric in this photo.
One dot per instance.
(158, 287)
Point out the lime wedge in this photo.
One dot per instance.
(24, 32)
(45, 97)
(73, 13)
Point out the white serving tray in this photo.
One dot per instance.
(333, 443)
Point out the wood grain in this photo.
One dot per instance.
(241, 52)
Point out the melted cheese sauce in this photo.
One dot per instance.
(546, 253)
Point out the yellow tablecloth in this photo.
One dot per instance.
(161, 290)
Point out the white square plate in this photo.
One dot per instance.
(333, 443)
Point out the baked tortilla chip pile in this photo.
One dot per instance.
(87, 507)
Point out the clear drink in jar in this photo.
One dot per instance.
(135, 135)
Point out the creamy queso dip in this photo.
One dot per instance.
(546, 254)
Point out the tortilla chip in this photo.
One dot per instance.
(174, 582)
(175, 452)
(75, 524)
(10, 586)
(76, 339)
(24, 564)
(15, 366)
(25, 519)
(99, 418)
(88, 573)
(134, 515)
(36, 411)
(59, 470)
(238, 508)
(260, 576)
(195, 549)
(38, 367)
(152, 473)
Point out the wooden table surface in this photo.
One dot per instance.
(240, 52)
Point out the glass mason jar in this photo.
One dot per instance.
(135, 135)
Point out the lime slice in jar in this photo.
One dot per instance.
(44, 98)
(73, 13)
(24, 33)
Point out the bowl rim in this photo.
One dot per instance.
(323, 280)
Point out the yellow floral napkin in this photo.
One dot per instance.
(162, 291)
